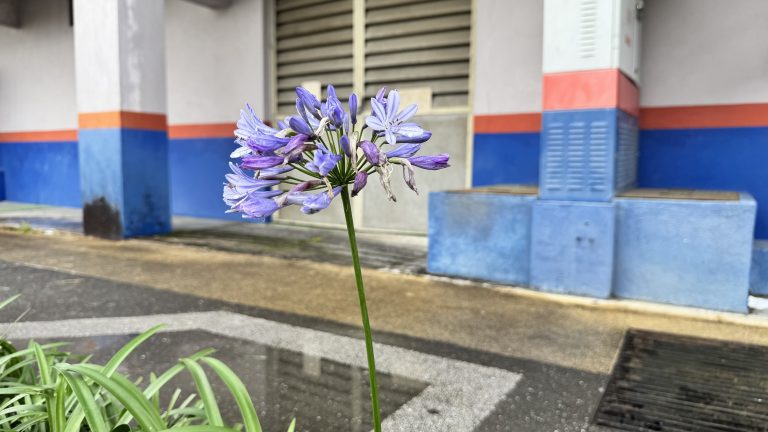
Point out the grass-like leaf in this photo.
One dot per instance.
(238, 390)
(128, 395)
(93, 416)
(206, 392)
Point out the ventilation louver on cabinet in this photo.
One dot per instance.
(314, 43)
(419, 44)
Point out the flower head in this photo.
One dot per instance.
(321, 151)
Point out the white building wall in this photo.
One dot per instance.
(704, 52)
(508, 52)
(37, 70)
(216, 61)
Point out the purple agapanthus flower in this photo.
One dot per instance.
(321, 152)
(387, 119)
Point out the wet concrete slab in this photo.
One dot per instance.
(321, 394)
(396, 252)
(546, 398)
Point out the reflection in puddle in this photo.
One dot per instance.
(322, 395)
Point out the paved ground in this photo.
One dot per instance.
(562, 348)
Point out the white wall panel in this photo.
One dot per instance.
(700, 52)
(507, 70)
(216, 61)
(37, 71)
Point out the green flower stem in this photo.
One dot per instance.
(363, 310)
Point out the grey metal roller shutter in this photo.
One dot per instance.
(314, 43)
(412, 43)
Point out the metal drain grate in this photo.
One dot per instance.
(670, 383)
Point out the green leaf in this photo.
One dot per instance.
(87, 401)
(8, 301)
(200, 428)
(127, 349)
(163, 379)
(206, 392)
(238, 390)
(292, 426)
(60, 411)
(127, 393)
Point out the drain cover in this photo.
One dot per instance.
(662, 382)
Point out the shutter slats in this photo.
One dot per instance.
(314, 43)
(414, 11)
(315, 40)
(284, 5)
(315, 26)
(422, 26)
(316, 12)
(408, 43)
(438, 55)
(438, 86)
(417, 73)
(335, 78)
(434, 40)
(321, 66)
(319, 53)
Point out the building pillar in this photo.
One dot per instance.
(121, 100)
(589, 141)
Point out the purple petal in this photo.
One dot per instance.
(374, 123)
(371, 152)
(344, 141)
(273, 173)
(404, 151)
(380, 94)
(389, 134)
(430, 162)
(254, 207)
(324, 162)
(244, 183)
(353, 108)
(393, 104)
(320, 201)
(258, 162)
(265, 143)
(300, 126)
(407, 113)
(414, 139)
(361, 179)
(408, 129)
(378, 110)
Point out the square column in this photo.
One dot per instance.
(589, 140)
(122, 137)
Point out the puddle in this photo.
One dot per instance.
(322, 395)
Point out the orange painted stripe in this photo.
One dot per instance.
(213, 130)
(39, 136)
(508, 123)
(707, 116)
(603, 88)
(122, 119)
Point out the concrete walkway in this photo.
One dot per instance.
(563, 347)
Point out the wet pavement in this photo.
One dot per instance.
(557, 352)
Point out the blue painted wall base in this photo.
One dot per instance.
(41, 172)
(685, 252)
(758, 283)
(572, 247)
(124, 182)
(480, 236)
